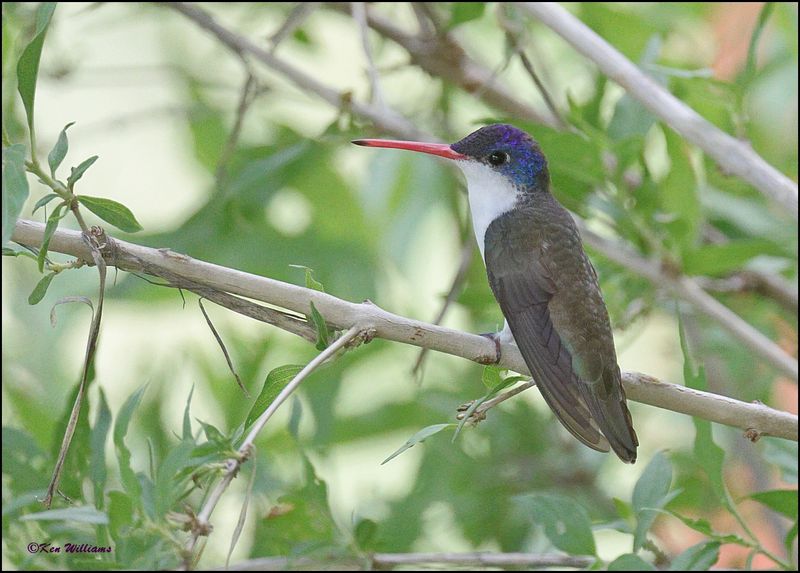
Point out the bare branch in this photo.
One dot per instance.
(442, 56)
(359, 11)
(731, 154)
(689, 290)
(201, 525)
(343, 315)
(388, 560)
(294, 20)
(383, 118)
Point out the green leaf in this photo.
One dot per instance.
(75, 173)
(491, 376)
(678, 195)
(311, 282)
(630, 562)
(127, 475)
(716, 260)
(49, 229)
(463, 12)
(784, 501)
(276, 381)
(651, 492)
(704, 527)
(783, 454)
(418, 438)
(168, 487)
(28, 65)
(15, 187)
(120, 513)
(698, 557)
(322, 328)
(97, 465)
(566, 523)
(84, 514)
(364, 534)
(59, 151)
(187, 420)
(40, 289)
(44, 201)
(111, 212)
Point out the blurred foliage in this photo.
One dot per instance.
(289, 192)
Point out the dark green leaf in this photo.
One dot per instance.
(565, 523)
(364, 534)
(784, 501)
(463, 12)
(111, 212)
(630, 562)
(40, 289)
(276, 381)
(120, 513)
(168, 487)
(322, 328)
(59, 151)
(651, 492)
(15, 187)
(84, 514)
(418, 438)
(44, 201)
(28, 65)
(49, 229)
(75, 173)
(698, 557)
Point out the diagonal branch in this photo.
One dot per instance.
(731, 154)
(344, 315)
(394, 123)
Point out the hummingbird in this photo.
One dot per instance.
(543, 281)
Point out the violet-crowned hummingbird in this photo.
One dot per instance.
(546, 286)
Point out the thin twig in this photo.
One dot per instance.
(513, 33)
(731, 154)
(359, 11)
(222, 346)
(294, 20)
(246, 99)
(201, 525)
(342, 315)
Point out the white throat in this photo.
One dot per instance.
(490, 195)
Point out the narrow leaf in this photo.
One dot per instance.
(28, 65)
(84, 514)
(651, 492)
(40, 289)
(15, 187)
(322, 328)
(311, 282)
(111, 212)
(276, 381)
(784, 501)
(59, 151)
(77, 172)
(698, 557)
(97, 466)
(49, 229)
(417, 438)
(127, 474)
(44, 201)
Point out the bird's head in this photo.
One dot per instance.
(493, 150)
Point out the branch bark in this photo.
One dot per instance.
(756, 419)
(731, 154)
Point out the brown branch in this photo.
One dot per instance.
(343, 315)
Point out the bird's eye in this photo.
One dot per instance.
(499, 158)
